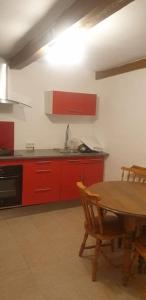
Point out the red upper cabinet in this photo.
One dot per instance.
(69, 103)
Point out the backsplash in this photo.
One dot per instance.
(7, 135)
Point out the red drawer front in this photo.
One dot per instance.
(45, 195)
(42, 186)
(45, 188)
(67, 103)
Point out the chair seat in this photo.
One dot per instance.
(112, 228)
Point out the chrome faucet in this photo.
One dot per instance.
(66, 137)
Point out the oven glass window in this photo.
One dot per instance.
(10, 185)
(7, 188)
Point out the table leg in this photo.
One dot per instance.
(130, 227)
(127, 257)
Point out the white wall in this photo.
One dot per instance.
(122, 119)
(32, 125)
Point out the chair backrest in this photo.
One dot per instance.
(93, 213)
(134, 174)
(140, 245)
(126, 174)
(139, 175)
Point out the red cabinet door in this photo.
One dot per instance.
(28, 179)
(92, 170)
(67, 103)
(70, 174)
(41, 182)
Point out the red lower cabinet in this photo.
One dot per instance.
(93, 170)
(87, 170)
(46, 180)
(41, 182)
(71, 172)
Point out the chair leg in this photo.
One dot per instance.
(120, 242)
(135, 257)
(95, 259)
(140, 264)
(112, 246)
(83, 244)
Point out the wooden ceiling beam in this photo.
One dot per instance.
(87, 12)
(102, 11)
(135, 65)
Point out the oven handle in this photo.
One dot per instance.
(8, 177)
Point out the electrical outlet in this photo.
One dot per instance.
(29, 146)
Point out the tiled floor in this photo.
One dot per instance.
(39, 259)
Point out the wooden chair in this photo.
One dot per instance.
(137, 174)
(100, 226)
(140, 253)
(134, 174)
(126, 173)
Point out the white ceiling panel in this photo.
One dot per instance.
(16, 19)
(119, 39)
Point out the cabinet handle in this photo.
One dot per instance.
(92, 160)
(96, 159)
(8, 177)
(43, 190)
(74, 161)
(43, 162)
(44, 171)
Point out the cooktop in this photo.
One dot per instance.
(6, 152)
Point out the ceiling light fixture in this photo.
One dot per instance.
(68, 48)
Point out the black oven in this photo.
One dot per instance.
(10, 185)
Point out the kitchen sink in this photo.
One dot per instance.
(63, 150)
(67, 151)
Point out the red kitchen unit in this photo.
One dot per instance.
(47, 180)
(88, 170)
(70, 103)
(7, 135)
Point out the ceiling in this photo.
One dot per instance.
(16, 19)
(118, 39)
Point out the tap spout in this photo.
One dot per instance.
(66, 137)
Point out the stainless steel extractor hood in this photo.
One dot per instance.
(4, 87)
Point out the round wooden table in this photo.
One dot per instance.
(128, 199)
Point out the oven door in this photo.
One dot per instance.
(10, 186)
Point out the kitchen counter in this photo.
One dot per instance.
(52, 153)
(45, 173)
